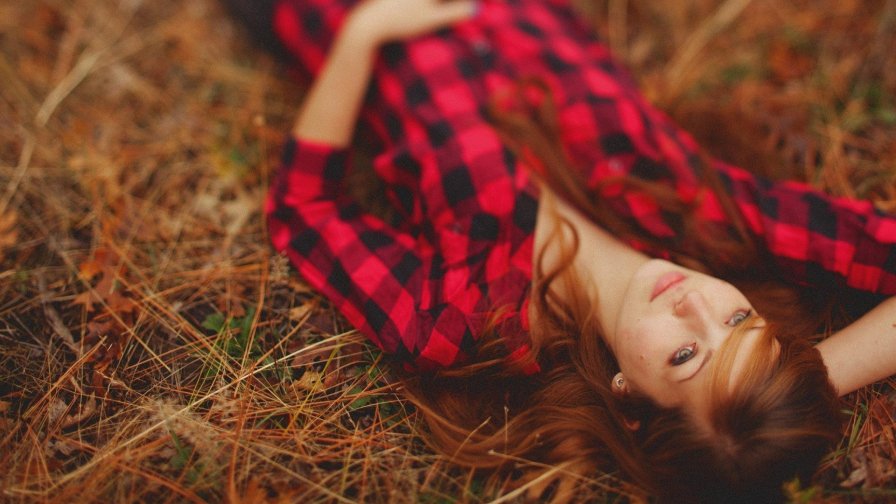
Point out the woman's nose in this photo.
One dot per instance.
(692, 305)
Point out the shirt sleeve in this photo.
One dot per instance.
(370, 271)
(815, 238)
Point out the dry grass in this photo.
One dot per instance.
(154, 349)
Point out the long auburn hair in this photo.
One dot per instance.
(773, 423)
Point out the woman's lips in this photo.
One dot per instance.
(664, 282)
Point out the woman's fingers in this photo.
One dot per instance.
(387, 20)
(452, 11)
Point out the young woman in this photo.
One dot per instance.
(552, 274)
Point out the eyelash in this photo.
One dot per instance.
(679, 358)
(743, 315)
(686, 353)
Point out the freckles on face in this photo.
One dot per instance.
(644, 354)
(671, 322)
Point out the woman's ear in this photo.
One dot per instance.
(620, 388)
(619, 385)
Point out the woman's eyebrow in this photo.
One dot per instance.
(706, 358)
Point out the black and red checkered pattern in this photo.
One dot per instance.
(463, 247)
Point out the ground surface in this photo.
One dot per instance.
(152, 348)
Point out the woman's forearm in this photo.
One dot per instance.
(333, 103)
(864, 352)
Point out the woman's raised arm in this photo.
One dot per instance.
(332, 105)
(372, 272)
(864, 352)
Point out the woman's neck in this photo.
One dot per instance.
(602, 266)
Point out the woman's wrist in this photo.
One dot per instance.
(863, 352)
(361, 31)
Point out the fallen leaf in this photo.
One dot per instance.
(859, 473)
(332, 378)
(310, 381)
(92, 267)
(856, 477)
(86, 299)
(110, 310)
(310, 355)
(108, 266)
(56, 409)
(61, 446)
(253, 493)
(300, 313)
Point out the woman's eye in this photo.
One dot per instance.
(683, 355)
(739, 317)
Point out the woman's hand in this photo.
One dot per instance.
(381, 21)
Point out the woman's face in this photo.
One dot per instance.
(671, 323)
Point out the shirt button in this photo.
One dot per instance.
(481, 47)
(616, 165)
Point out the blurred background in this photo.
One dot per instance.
(154, 348)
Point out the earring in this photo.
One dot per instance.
(619, 381)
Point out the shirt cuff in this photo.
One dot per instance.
(328, 162)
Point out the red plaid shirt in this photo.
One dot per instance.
(463, 246)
